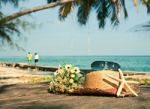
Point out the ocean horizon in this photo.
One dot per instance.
(127, 63)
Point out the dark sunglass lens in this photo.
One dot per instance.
(98, 65)
(113, 66)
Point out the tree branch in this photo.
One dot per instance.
(34, 9)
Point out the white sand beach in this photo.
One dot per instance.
(17, 90)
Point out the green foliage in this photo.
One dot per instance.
(6, 30)
(50, 1)
(147, 4)
(10, 32)
(105, 9)
(65, 10)
(12, 2)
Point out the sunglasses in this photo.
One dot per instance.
(101, 65)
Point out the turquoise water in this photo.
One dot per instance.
(132, 63)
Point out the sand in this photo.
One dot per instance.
(10, 75)
(17, 93)
(36, 96)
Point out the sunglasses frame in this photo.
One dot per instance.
(101, 65)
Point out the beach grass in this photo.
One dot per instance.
(35, 79)
(142, 81)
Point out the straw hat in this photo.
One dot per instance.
(98, 83)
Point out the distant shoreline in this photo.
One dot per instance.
(74, 55)
(127, 63)
(26, 66)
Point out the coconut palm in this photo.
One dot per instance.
(10, 25)
(146, 26)
(142, 27)
(147, 4)
(10, 32)
(13, 2)
(9, 28)
(34, 9)
(144, 2)
(105, 10)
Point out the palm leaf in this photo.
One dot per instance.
(10, 32)
(114, 18)
(50, 1)
(147, 3)
(65, 10)
(84, 10)
(13, 2)
(103, 11)
(5, 37)
(143, 27)
(124, 8)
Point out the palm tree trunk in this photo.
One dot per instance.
(34, 9)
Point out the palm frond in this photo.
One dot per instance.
(114, 17)
(124, 8)
(65, 10)
(135, 2)
(84, 10)
(143, 27)
(10, 32)
(5, 37)
(12, 28)
(147, 3)
(103, 11)
(12, 2)
(50, 1)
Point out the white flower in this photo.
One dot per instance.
(76, 70)
(72, 75)
(71, 81)
(59, 67)
(68, 67)
(72, 70)
(60, 71)
(55, 73)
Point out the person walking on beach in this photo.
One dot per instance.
(36, 58)
(29, 57)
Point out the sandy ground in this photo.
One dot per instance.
(14, 75)
(36, 96)
(16, 93)
(9, 75)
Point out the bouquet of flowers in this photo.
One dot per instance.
(66, 79)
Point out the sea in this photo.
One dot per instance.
(127, 63)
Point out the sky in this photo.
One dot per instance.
(53, 37)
